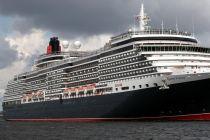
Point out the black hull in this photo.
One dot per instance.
(182, 99)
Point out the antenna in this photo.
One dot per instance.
(143, 19)
(193, 26)
(177, 27)
(162, 26)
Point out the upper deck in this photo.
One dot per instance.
(153, 32)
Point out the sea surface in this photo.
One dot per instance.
(104, 131)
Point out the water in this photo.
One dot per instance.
(105, 131)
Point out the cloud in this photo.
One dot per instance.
(8, 73)
(69, 16)
(26, 46)
(83, 18)
(8, 55)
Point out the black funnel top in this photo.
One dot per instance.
(55, 43)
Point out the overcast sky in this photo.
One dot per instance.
(26, 25)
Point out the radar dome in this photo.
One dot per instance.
(77, 44)
(65, 44)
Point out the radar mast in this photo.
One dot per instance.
(143, 19)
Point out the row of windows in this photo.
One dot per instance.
(174, 48)
(13, 91)
(37, 81)
(120, 56)
(54, 87)
(58, 75)
(54, 72)
(83, 77)
(92, 64)
(128, 74)
(15, 85)
(33, 87)
(55, 77)
(121, 62)
(125, 68)
(36, 78)
(83, 72)
(55, 82)
(134, 87)
(81, 83)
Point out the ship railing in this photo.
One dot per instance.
(152, 32)
(73, 59)
(70, 54)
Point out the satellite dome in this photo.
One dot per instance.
(76, 44)
(65, 44)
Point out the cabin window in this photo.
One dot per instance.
(139, 86)
(134, 87)
(125, 88)
(147, 85)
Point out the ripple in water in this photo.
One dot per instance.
(105, 131)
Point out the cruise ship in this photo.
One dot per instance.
(142, 74)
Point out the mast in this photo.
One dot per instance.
(143, 19)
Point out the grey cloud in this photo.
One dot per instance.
(69, 17)
(8, 56)
(87, 17)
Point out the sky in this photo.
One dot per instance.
(26, 26)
